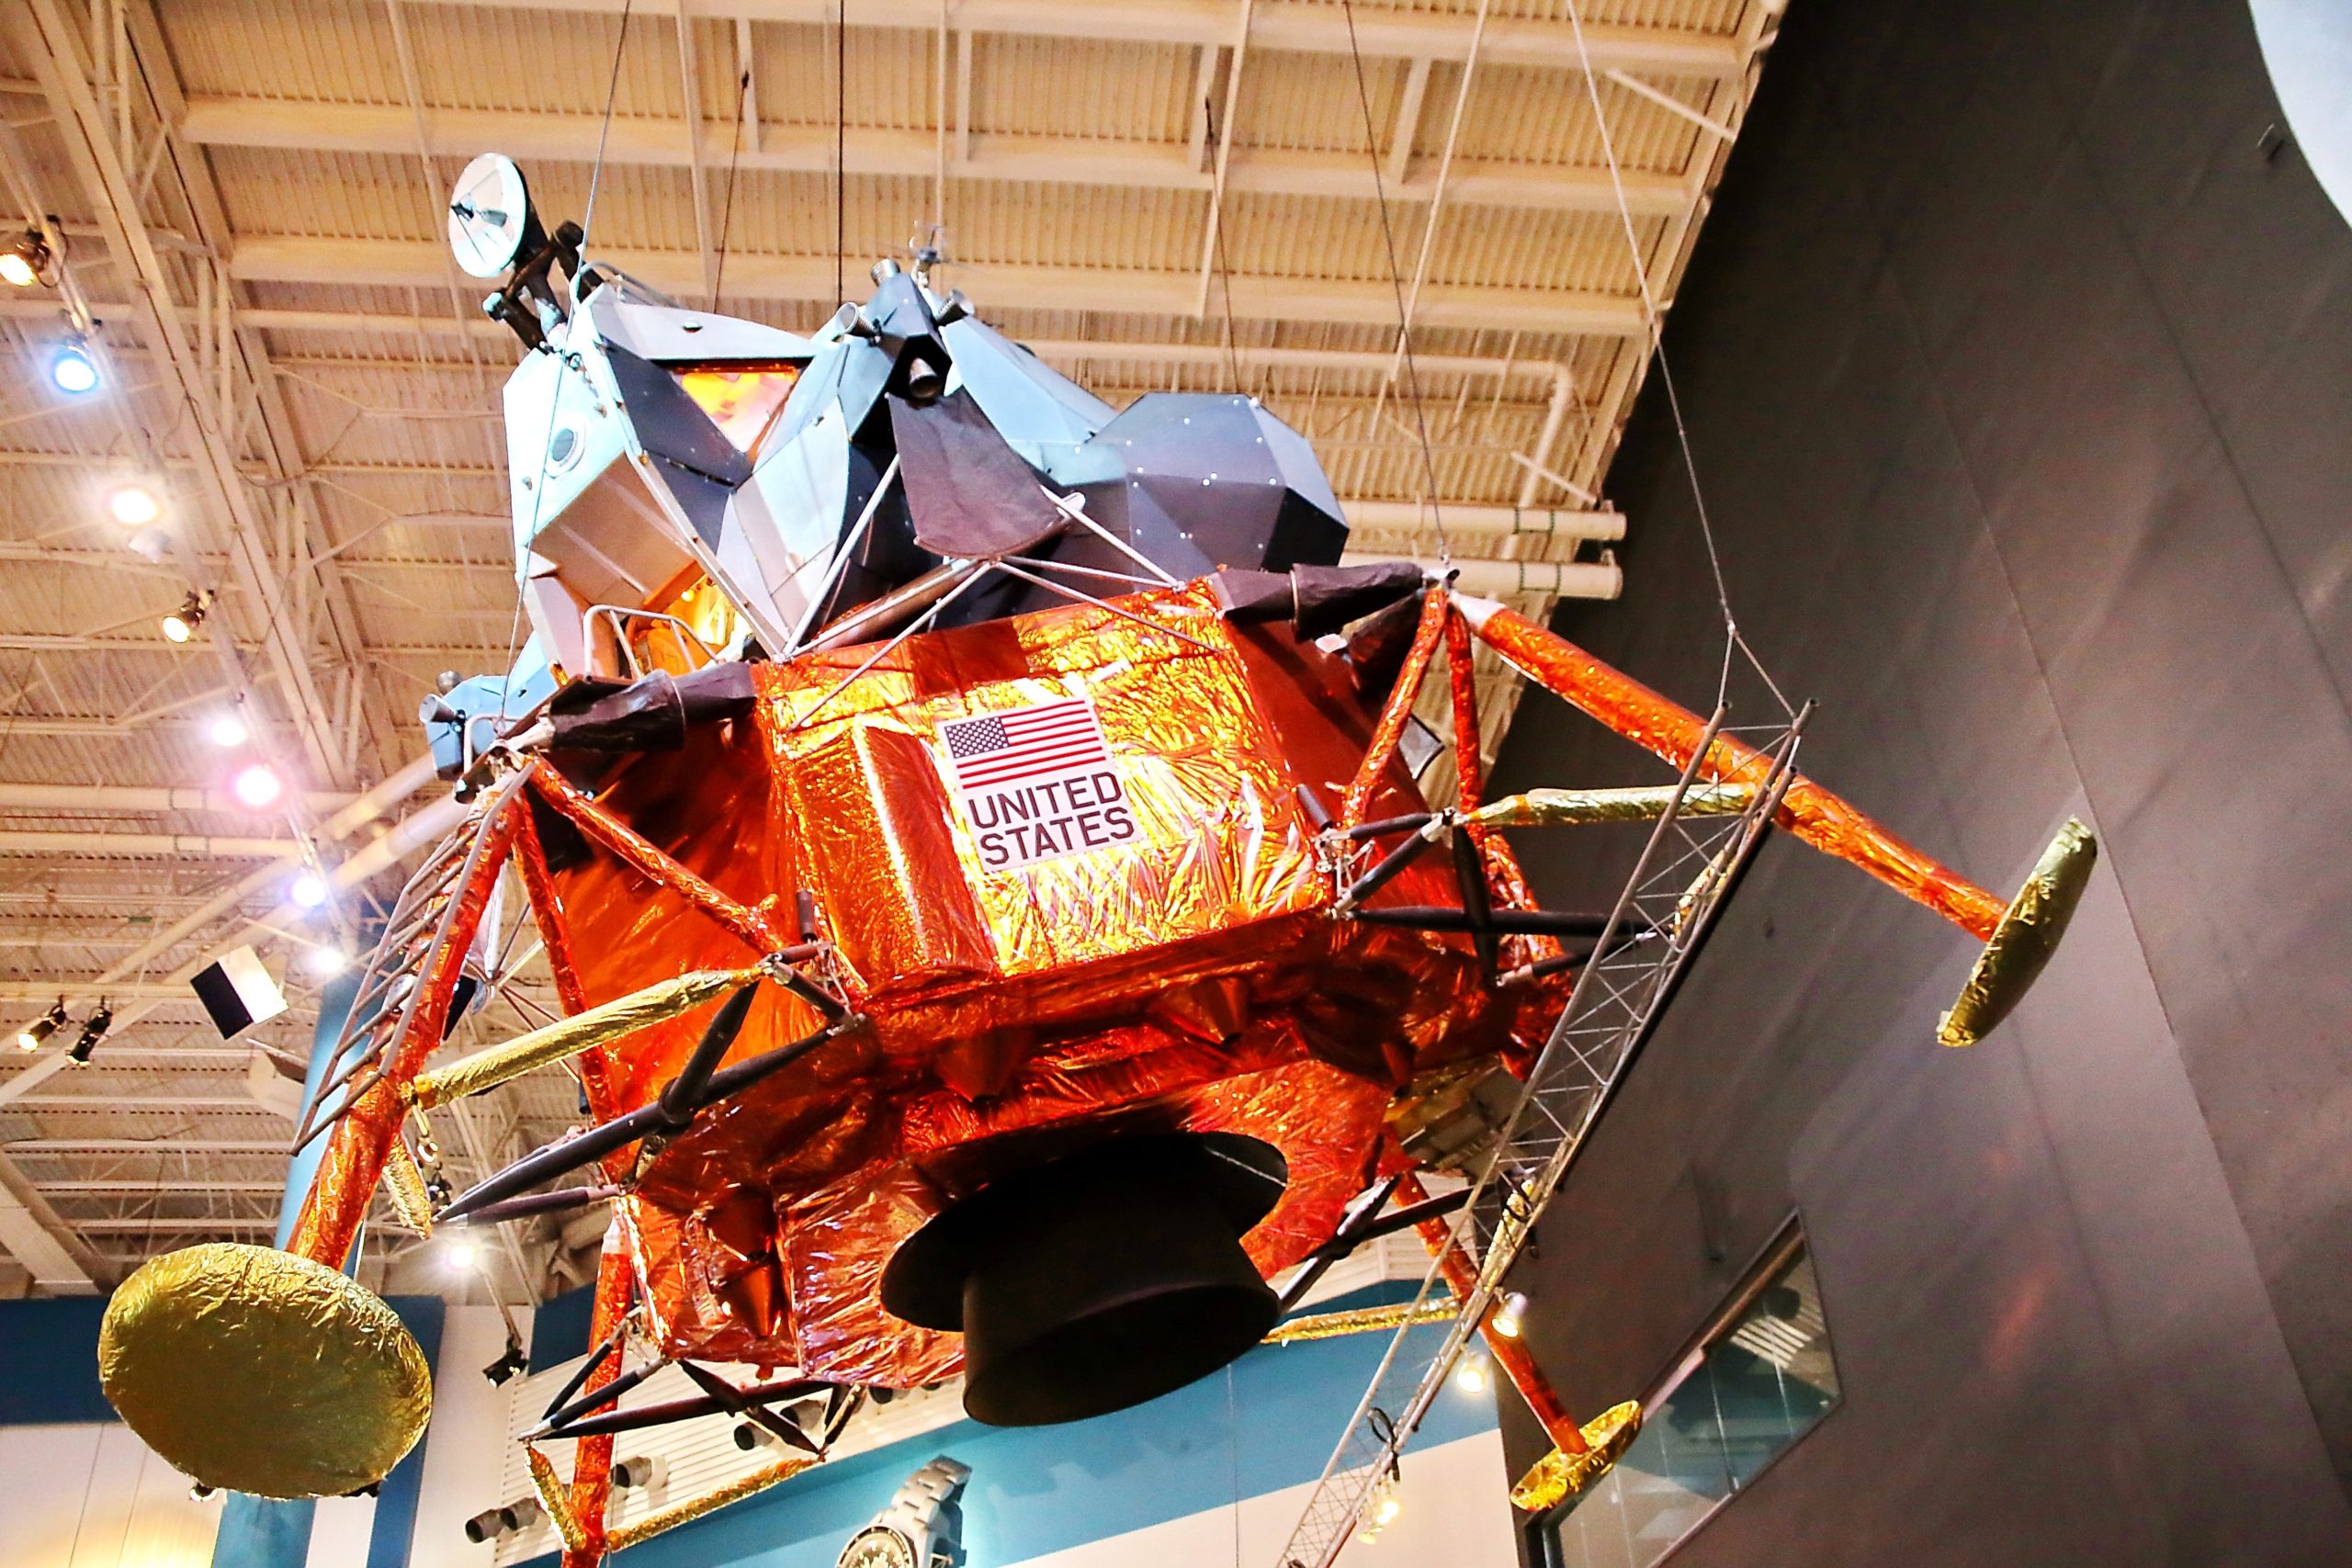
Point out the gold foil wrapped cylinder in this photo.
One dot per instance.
(262, 1371)
(1566, 808)
(2027, 936)
(570, 1036)
(1362, 1320)
(558, 1502)
(710, 1502)
(1558, 1477)
(404, 1185)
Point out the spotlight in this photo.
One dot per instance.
(1386, 1505)
(228, 732)
(1510, 1317)
(73, 371)
(462, 1254)
(93, 1029)
(199, 1492)
(1470, 1374)
(492, 1523)
(628, 1475)
(509, 1363)
(308, 890)
(181, 623)
(134, 505)
(33, 1035)
(325, 962)
(257, 786)
(25, 259)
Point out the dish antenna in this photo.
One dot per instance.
(491, 221)
(493, 233)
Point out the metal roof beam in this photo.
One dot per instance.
(43, 33)
(1288, 26)
(312, 128)
(414, 263)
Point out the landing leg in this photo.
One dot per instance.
(2019, 935)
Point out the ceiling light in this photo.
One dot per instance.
(461, 1253)
(257, 786)
(74, 370)
(33, 1035)
(308, 890)
(93, 1029)
(1510, 1316)
(27, 257)
(134, 505)
(325, 962)
(181, 623)
(226, 732)
(1470, 1374)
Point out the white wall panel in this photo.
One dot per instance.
(1454, 1517)
(93, 1496)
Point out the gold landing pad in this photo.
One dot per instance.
(2025, 939)
(1558, 1476)
(260, 1371)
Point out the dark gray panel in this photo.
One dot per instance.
(2018, 383)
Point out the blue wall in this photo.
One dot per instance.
(48, 1362)
(1269, 1421)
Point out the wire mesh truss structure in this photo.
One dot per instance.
(1687, 871)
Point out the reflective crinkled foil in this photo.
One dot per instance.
(255, 1370)
(1182, 976)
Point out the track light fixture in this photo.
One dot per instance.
(133, 505)
(257, 786)
(26, 261)
(73, 371)
(181, 623)
(93, 1029)
(32, 1036)
(509, 1363)
(1510, 1316)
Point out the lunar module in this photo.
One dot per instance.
(1000, 931)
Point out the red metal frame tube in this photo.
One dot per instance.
(1503, 873)
(1510, 1355)
(362, 1141)
(1390, 729)
(591, 1461)
(751, 926)
(1669, 730)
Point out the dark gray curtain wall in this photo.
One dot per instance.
(2019, 369)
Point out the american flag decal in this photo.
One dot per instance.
(1022, 744)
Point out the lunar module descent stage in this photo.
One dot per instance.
(998, 929)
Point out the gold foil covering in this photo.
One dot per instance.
(1184, 979)
(710, 1502)
(1362, 1320)
(1558, 1476)
(404, 1185)
(570, 1036)
(556, 1502)
(2027, 936)
(258, 1370)
(1562, 807)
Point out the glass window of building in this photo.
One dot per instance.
(1753, 1386)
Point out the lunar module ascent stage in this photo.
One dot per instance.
(998, 930)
